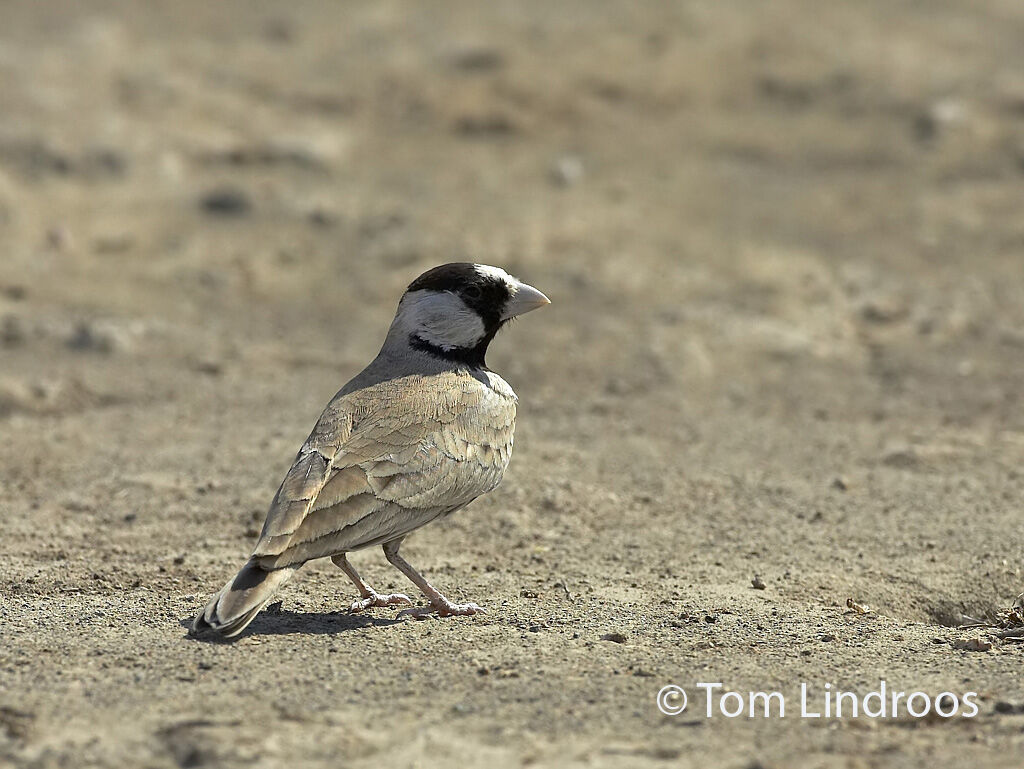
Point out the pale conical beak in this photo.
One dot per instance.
(526, 298)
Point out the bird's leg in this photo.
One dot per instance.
(369, 596)
(438, 603)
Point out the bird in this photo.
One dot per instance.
(421, 432)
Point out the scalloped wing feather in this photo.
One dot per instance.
(386, 459)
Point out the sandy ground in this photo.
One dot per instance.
(784, 247)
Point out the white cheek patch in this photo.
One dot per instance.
(441, 319)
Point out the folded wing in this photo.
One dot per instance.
(385, 460)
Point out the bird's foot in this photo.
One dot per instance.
(442, 607)
(380, 599)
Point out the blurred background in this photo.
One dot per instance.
(783, 243)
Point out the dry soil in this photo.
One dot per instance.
(783, 241)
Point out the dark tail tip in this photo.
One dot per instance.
(237, 604)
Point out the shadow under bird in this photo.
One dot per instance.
(422, 431)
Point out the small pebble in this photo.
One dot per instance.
(1008, 707)
(90, 336)
(972, 645)
(226, 201)
(567, 171)
(479, 60)
(12, 330)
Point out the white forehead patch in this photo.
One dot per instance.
(440, 318)
(495, 272)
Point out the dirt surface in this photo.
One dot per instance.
(783, 241)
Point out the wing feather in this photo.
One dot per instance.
(386, 459)
(344, 484)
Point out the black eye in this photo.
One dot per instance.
(473, 292)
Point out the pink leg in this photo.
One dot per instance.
(438, 603)
(369, 596)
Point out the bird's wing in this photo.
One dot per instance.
(385, 460)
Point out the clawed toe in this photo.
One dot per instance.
(443, 609)
(379, 599)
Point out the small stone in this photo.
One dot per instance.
(479, 60)
(90, 336)
(12, 330)
(617, 638)
(567, 170)
(488, 125)
(321, 217)
(77, 504)
(937, 117)
(226, 201)
(900, 456)
(840, 482)
(208, 366)
(884, 309)
(757, 583)
(972, 645)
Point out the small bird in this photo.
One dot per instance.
(421, 432)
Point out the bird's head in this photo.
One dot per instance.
(454, 311)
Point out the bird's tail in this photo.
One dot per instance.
(237, 604)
